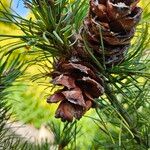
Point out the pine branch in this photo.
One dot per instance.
(125, 115)
(90, 59)
(9, 71)
(11, 68)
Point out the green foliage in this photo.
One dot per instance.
(124, 115)
(65, 134)
(9, 71)
(52, 27)
(121, 119)
(11, 68)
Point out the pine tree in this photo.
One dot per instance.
(94, 62)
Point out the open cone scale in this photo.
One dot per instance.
(115, 20)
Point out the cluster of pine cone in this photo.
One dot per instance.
(112, 20)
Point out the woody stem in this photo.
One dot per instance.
(60, 147)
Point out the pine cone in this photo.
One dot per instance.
(117, 20)
(81, 87)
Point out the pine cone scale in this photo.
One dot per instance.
(64, 80)
(75, 96)
(65, 111)
(91, 86)
(56, 97)
(79, 67)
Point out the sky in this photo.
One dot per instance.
(18, 6)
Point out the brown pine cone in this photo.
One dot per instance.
(116, 20)
(81, 87)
